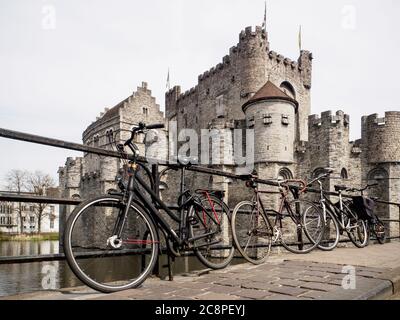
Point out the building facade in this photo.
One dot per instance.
(11, 214)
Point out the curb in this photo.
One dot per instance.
(394, 277)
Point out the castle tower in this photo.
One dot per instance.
(381, 162)
(271, 113)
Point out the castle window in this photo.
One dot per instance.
(96, 141)
(185, 120)
(250, 122)
(285, 174)
(344, 174)
(220, 106)
(285, 119)
(145, 111)
(378, 174)
(287, 88)
(267, 118)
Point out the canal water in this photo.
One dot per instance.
(29, 277)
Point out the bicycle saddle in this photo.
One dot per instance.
(187, 161)
(340, 188)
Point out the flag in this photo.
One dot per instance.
(300, 38)
(168, 86)
(264, 25)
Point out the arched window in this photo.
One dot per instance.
(288, 89)
(285, 174)
(317, 172)
(378, 174)
(344, 174)
(96, 141)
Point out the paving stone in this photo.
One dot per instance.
(196, 285)
(252, 294)
(256, 285)
(189, 292)
(290, 291)
(216, 296)
(315, 273)
(290, 276)
(284, 297)
(229, 282)
(222, 289)
(337, 276)
(336, 282)
(318, 286)
(369, 274)
(288, 283)
(314, 279)
(313, 294)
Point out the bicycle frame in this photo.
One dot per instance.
(327, 205)
(133, 192)
(283, 204)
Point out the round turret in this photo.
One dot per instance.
(381, 137)
(271, 113)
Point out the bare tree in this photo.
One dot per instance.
(40, 184)
(17, 182)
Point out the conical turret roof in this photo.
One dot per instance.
(270, 92)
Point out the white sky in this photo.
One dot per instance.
(54, 82)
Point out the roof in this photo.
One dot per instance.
(114, 110)
(270, 92)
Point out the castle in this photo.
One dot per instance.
(252, 88)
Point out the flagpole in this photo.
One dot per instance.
(300, 44)
(264, 25)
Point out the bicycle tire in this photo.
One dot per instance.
(138, 211)
(299, 225)
(334, 237)
(255, 255)
(223, 257)
(362, 243)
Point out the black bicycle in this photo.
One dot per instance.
(112, 242)
(339, 218)
(365, 207)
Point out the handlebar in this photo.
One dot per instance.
(363, 189)
(142, 127)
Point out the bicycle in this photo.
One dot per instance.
(365, 208)
(112, 241)
(339, 218)
(254, 233)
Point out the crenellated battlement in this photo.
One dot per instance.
(328, 118)
(390, 118)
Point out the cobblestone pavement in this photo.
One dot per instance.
(318, 275)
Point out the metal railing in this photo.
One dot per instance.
(154, 176)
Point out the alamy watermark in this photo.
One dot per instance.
(49, 17)
(203, 146)
(349, 280)
(49, 279)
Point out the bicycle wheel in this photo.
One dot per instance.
(331, 236)
(302, 226)
(378, 229)
(101, 260)
(209, 224)
(251, 232)
(357, 229)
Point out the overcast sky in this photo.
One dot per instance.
(62, 62)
